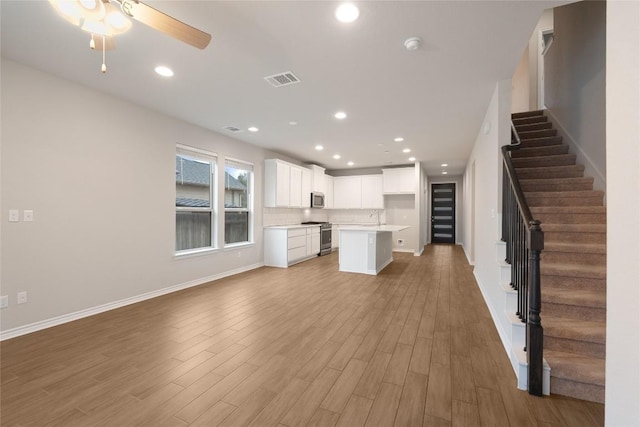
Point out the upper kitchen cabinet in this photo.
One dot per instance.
(372, 192)
(358, 192)
(399, 181)
(286, 185)
(318, 181)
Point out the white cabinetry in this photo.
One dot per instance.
(328, 193)
(358, 192)
(286, 185)
(372, 192)
(318, 182)
(347, 192)
(399, 181)
(284, 246)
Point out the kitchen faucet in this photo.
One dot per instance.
(375, 212)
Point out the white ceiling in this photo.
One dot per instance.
(434, 97)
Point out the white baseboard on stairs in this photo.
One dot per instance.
(521, 356)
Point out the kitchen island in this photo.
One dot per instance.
(366, 249)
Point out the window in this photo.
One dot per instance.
(195, 199)
(238, 202)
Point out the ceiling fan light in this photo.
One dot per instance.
(116, 21)
(68, 9)
(96, 27)
(91, 9)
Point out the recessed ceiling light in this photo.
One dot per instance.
(444, 172)
(164, 71)
(399, 139)
(253, 129)
(412, 159)
(349, 163)
(444, 165)
(336, 156)
(406, 150)
(319, 147)
(347, 12)
(340, 115)
(293, 123)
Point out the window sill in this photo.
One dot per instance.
(195, 252)
(241, 245)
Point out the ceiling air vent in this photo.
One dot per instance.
(232, 129)
(282, 79)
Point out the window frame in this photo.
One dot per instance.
(250, 168)
(211, 158)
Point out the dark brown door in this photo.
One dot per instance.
(443, 213)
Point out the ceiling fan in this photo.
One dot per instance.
(108, 18)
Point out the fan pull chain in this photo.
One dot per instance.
(104, 48)
(92, 43)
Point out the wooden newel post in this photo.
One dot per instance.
(534, 326)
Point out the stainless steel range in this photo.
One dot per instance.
(325, 236)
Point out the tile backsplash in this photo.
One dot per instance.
(284, 216)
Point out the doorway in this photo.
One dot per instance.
(443, 213)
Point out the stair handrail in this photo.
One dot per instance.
(525, 241)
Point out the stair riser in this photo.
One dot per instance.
(541, 142)
(534, 126)
(569, 171)
(590, 392)
(526, 114)
(540, 162)
(537, 134)
(573, 258)
(572, 283)
(572, 346)
(552, 150)
(566, 311)
(529, 120)
(574, 237)
(567, 218)
(557, 186)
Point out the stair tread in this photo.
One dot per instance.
(563, 194)
(585, 248)
(555, 180)
(531, 113)
(574, 329)
(589, 228)
(574, 270)
(575, 367)
(568, 209)
(582, 298)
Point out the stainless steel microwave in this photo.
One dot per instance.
(317, 200)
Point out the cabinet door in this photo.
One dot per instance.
(282, 184)
(306, 188)
(315, 244)
(347, 192)
(372, 192)
(295, 186)
(328, 195)
(398, 181)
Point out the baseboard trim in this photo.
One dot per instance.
(66, 318)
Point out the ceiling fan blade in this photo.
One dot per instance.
(166, 24)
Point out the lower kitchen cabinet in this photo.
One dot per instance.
(287, 245)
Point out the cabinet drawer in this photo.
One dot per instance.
(313, 230)
(294, 232)
(297, 253)
(297, 242)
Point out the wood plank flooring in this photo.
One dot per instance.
(304, 346)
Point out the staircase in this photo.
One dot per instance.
(573, 263)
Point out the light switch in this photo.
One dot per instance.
(27, 216)
(14, 215)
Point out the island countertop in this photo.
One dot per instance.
(384, 227)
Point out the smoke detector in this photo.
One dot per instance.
(413, 43)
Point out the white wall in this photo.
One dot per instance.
(544, 23)
(488, 172)
(99, 174)
(575, 83)
(401, 209)
(623, 207)
(520, 85)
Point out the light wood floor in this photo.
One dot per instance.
(303, 346)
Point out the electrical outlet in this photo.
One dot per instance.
(14, 215)
(4, 301)
(27, 216)
(22, 297)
